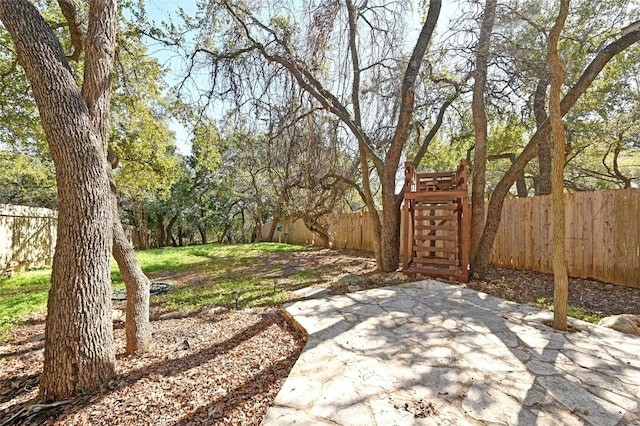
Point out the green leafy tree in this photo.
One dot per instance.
(27, 180)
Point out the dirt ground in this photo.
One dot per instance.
(594, 297)
(225, 366)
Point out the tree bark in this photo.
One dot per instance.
(143, 236)
(223, 234)
(169, 232)
(390, 232)
(544, 152)
(480, 127)
(79, 351)
(274, 223)
(162, 234)
(494, 211)
(100, 45)
(626, 181)
(137, 327)
(558, 137)
(202, 228)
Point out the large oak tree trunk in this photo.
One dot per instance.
(79, 351)
(274, 222)
(137, 327)
(169, 231)
(162, 233)
(180, 236)
(202, 228)
(141, 228)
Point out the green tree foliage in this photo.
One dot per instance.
(140, 136)
(27, 180)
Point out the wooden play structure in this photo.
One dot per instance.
(437, 225)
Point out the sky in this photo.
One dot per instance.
(165, 10)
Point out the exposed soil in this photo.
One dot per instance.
(225, 366)
(594, 297)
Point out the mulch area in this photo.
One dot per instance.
(595, 297)
(226, 367)
(210, 368)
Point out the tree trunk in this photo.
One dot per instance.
(626, 181)
(143, 235)
(313, 225)
(274, 223)
(180, 235)
(169, 233)
(558, 137)
(544, 152)
(521, 186)
(137, 327)
(390, 231)
(544, 165)
(223, 234)
(480, 127)
(202, 229)
(79, 352)
(96, 92)
(389, 228)
(162, 234)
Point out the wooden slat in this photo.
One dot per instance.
(419, 249)
(570, 233)
(436, 227)
(436, 238)
(434, 217)
(587, 235)
(454, 274)
(436, 260)
(438, 196)
(625, 222)
(426, 206)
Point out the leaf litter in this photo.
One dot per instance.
(209, 368)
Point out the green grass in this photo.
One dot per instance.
(24, 293)
(572, 311)
(222, 270)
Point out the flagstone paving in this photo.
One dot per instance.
(430, 353)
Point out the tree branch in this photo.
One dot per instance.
(76, 27)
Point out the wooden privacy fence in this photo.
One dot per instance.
(347, 231)
(27, 237)
(602, 235)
